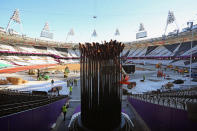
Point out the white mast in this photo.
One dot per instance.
(15, 18)
(94, 34)
(117, 32)
(170, 19)
(70, 33)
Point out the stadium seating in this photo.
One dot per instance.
(20, 55)
(175, 99)
(3, 65)
(14, 101)
(172, 47)
(54, 55)
(182, 49)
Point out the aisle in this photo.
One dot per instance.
(74, 103)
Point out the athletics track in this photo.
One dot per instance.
(23, 68)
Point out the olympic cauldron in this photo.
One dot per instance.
(100, 75)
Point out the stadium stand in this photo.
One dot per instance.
(172, 47)
(150, 48)
(174, 99)
(4, 64)
(20, 55)
(160, 53)
(15, 101)
(183, 48)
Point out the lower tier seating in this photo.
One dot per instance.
(13, 101)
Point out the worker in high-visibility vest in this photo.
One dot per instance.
(64, 110)
(70, 89)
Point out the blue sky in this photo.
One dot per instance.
(62, 15)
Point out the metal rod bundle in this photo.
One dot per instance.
(100, 85)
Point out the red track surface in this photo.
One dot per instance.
(23, 68)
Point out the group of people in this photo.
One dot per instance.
(75, 71)
(70, 84)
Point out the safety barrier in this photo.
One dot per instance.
(167, 116)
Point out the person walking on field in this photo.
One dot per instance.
(52, 81)
(70, 89)
(144, 77)
(64, 110)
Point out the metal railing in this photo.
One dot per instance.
(174, 99)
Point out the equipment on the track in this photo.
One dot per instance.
(16, 81)
(43, 76)
(32, 72)
(158, 65)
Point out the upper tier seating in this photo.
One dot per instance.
(183, 49)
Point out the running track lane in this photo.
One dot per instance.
(23, 68)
